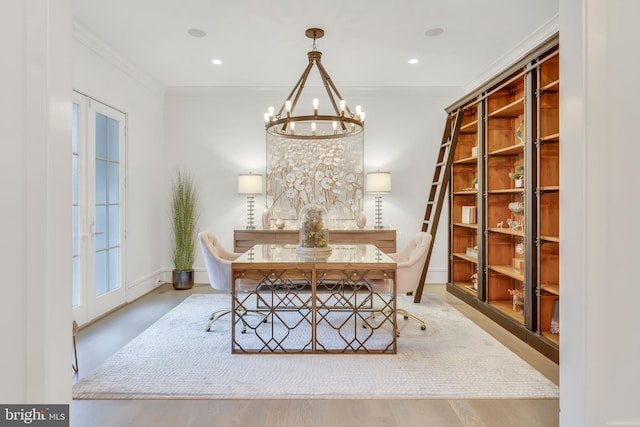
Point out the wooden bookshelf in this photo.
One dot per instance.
(514, 124)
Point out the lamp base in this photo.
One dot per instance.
(378, 210)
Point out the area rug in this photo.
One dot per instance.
(175, 358)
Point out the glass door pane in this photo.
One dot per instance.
(107, 231)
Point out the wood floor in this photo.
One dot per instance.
(101, 339)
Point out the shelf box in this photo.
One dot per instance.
(472, 252)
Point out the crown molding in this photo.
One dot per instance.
(279, 92)
(82, 35)
(544, 32)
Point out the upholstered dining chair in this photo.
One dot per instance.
(410, 262)
(218, 262)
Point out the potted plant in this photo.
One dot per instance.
(518, 176)
(475, 182)
(184, 217)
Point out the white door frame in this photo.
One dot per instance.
(90, 306)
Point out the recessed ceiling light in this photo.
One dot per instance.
(433, 32)
(413, 61)
(196, 32)
(216, 61)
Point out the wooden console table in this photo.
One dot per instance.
(384, 239)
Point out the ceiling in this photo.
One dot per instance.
(262, 43)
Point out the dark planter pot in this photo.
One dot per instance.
(182, 279)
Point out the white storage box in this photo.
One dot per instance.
(472, 252)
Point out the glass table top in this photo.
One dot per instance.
(347, 253)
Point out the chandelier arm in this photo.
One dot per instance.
(298, 87)
(328, 85)
(335, 89)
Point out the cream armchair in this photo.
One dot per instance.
(410, 262)
(218, 262)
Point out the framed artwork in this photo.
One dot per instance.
(328, 172)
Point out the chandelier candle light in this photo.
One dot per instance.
(378, 183)
(250, 185)
(341, 122)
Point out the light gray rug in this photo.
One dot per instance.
(176, 358)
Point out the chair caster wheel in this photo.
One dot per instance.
(208, 329)
(244, 331)
(405, 317)
(364, 326)
(265, 320)
(424, 328)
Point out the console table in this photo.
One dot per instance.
(384, 239)
(312, 304)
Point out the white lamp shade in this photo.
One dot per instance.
(379, 182)
(249, 184)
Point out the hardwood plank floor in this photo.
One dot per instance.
(99, 340)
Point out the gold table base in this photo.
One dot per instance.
(313, 308)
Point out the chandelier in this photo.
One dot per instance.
(340, 122)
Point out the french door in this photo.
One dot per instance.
(98, 208)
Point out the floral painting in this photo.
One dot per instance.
(328, 172)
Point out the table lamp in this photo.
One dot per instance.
(378, 183)
(250, 185)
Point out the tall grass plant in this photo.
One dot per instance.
(184, 219)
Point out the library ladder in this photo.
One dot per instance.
(438, 186)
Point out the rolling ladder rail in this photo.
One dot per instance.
(438, 186)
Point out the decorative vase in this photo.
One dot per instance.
(266, 218)
(361, 220)
(182, 279)
(516, 207)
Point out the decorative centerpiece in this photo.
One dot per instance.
(314, 235)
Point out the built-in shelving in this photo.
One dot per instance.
(511, 123)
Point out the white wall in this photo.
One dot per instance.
(35, 224)
(218, 133)
(600, 348)
(101, 74)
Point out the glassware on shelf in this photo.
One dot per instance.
(520, 133)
